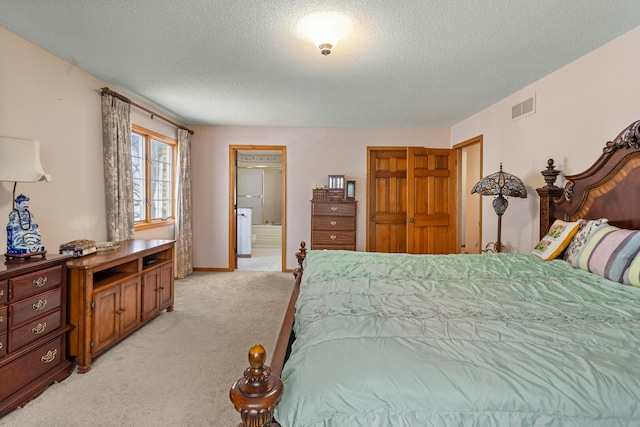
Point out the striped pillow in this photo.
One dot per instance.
(609, 252)
(632, 273)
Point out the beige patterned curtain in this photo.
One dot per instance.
(118, 182)
(183, 223)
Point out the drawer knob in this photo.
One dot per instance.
(39, 329)
(0, 345)
(1, 319)
(37, 306)
(50, 356)
(333, 222)
(1, 292)
(334, 208)
(40, 282)
(333, 237)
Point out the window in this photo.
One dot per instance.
(153, 158)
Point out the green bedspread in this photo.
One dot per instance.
(460, 340)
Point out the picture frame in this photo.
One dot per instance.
(350, 193)
(336, 182)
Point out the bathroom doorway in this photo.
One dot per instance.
(257, 221)
(469, 155)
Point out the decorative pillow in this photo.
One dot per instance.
(631, 275)
(609, 252)
(558, 237)
(587, 228)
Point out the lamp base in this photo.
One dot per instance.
(492, 247)
(25, 256)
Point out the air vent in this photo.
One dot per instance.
(524, 108)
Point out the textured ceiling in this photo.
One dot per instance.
(407, 63)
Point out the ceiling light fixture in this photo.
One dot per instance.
(325, 29)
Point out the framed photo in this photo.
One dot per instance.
(336, 182)
(351, 190)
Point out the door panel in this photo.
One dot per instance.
(387, 201)
(150, 306)
(130, 305)
(106, 324)
(431, 203)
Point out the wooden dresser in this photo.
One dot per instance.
(33, 328)
(333, 224)
(113, 293)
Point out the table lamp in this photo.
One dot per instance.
(20, 162)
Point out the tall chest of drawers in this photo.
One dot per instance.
(33, 328)
(333, 224)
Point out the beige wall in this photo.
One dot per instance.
(56, 103)
(579, 108)
(312, 154)
(45, 98)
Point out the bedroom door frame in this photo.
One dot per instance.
(233, 173)
(465, 198)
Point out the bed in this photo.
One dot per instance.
(494, 339)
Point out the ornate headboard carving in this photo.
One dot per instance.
(610, 188)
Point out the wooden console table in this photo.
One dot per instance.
(113, 293)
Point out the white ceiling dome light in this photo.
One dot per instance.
(325, 29)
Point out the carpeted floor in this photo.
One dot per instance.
(177, 369)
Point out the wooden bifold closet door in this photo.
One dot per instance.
(411, 200)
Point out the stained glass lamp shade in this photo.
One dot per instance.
(500, 184)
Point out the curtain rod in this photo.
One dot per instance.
(107, 91)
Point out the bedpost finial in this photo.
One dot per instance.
(550, 174)
(255, 394)
(300, 255)
(257, 354)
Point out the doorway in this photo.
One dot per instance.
(469, 171)
(257, 233)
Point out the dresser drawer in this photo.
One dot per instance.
(335, 247)
(333, 238)
(33, 283)
(32, 307)
(334, 209)
(28, 368)
(4, 291)
(3, 318)
(330, 223)
(3, 330)
(3, 344)
(28, 333)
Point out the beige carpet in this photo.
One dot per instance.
(177, 369)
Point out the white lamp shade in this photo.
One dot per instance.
(20, 161)
(325, 27)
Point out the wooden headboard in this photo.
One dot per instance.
(610, 188)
